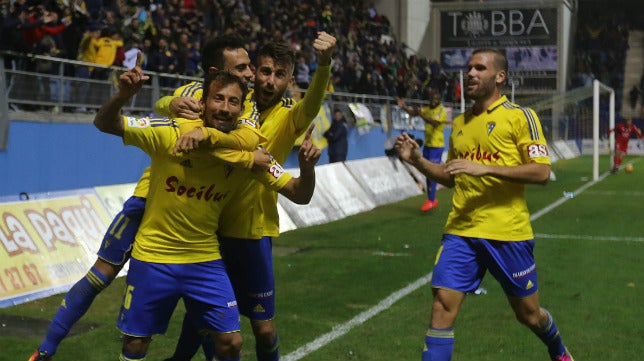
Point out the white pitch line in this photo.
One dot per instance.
(363, 317)
(563, 199)
(590, 238)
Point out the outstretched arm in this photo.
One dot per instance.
(108, 118)
(307, 109)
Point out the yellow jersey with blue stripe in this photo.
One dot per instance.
(281, 124)
(186, 195)
(490, 207)
(434, 137)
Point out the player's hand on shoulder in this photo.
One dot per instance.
(261, 160)
(186, 107)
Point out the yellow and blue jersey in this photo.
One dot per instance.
(281, 124)
(489, 207)
(434, 137)
(186, 195)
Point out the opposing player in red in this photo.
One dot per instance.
(623, 132)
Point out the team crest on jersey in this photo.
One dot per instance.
(490, 127)
(137, 122)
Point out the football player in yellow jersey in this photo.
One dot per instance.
(117, 243)
(246, 236)
(176, 253)
(435, 117)
(495, 148)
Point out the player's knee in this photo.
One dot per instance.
(107, 269)
(228, 345)
(136, 345)
(529, 318)
(264, 331)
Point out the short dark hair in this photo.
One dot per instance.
(500, 60)
(212, 52)
(222, 78)
(281, 53)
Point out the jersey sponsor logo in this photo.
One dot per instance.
(137, 122)
(206, 193)
(524, 272)
(537, 150)
(476, 154)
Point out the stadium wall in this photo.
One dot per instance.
(49, 241)
(47, 157)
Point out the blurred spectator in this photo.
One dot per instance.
(163, 60)
(39, 22)
(336, 135)
(369, 59)
(634, 96)
(107, 47)
(302, 73)
(86, 53)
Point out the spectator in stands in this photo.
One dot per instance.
(40, 22)
(302, 72)
(336, 136)
(634, 95)
(86, 53)
(106, 49)
(163, 60)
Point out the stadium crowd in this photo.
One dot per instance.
(369, 60)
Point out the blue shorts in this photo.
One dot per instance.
(153, 290)
(433, 154)
(461, 263)
(119, 238)
(249, 263)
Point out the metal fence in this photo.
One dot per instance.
(50, 89)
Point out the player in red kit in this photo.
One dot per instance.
(623, 132)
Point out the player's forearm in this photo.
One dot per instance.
(241, 138)
(310, 105)
(234, 157)
(108, 118)
(300, 190)
(534, 173)
(434, 171)
(162, 106)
